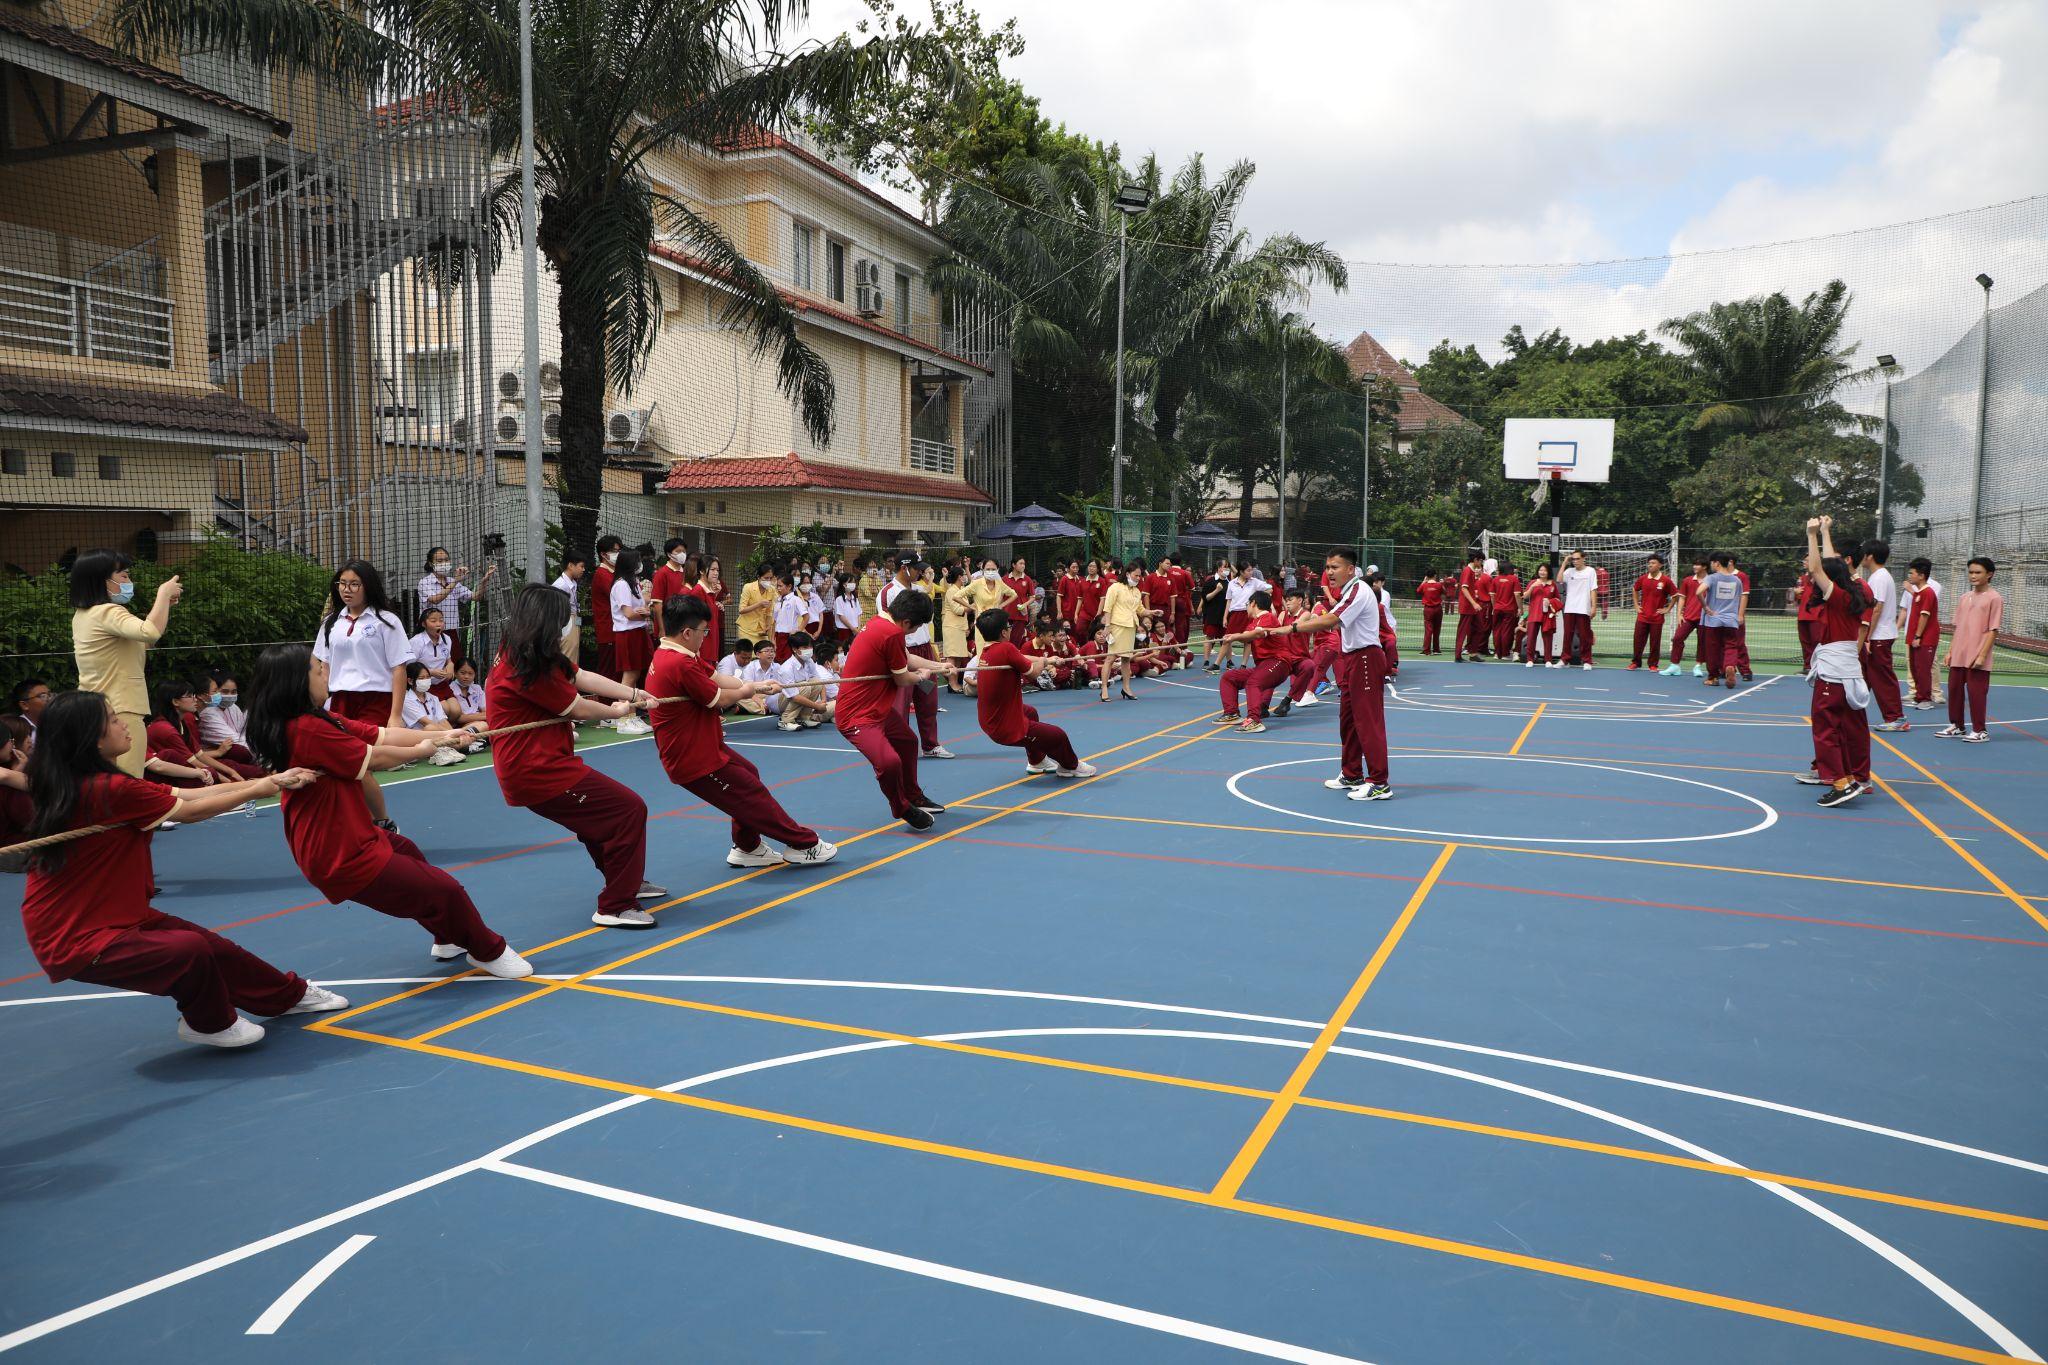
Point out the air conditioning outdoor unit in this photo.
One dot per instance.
(510, 429)
(551, 423)
(627, 426)
(550, 378)
(511, 384)
(469, 431)
(867, 289)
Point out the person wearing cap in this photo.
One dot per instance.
(917, 641)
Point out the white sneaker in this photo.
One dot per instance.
(633, 725)
(1923, 706)
(1085, 769)
(1342, 784)
(785, 725)
(1699, 670)
(1586, 668)
(507, 965)
(937, 751)
(241, 1033)
(445, 952)
(635, 918)
(1310, 700)
(763, 856)
(1950, 732)
(1044, 765)
(444, 758)
(317, 1000)
(1977, 737)
(823, 851)
(609, 723)
(1373, 791)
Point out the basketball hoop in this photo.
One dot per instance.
(1556, 474)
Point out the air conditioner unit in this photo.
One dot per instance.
(550, 378)
(511, 384)
(510, 429)
(465, 431)
(551, 423)
(867, 289)
(626, 426)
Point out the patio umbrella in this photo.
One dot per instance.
(1031, 522)
(1207, 535)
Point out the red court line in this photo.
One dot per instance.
(1513, 890)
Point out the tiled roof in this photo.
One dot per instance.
(790, 471)
(758, 139)
(1416, 410)
(202, 416)
(78, 45)
(802, 304)
(431, 104)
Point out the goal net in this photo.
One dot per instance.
(1133, 534)
(1619, 559)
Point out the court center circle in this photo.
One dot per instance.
(1769, 814)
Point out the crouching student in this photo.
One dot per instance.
(802, 702)
(86, 907)
(428, 714)
(1000, 704)
(466, 698)
(690, 739)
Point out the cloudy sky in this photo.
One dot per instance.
(1546, 131)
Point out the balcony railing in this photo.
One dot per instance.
(78, 317)
(933, 457)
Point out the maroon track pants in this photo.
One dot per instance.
(611, 822)
(412, 888)
(1808, 638)
(208, 976)
(1361, 715)
(1310, 671)
(1578, 637)
(1539, 630)
(1678, 634)
(1920, 658)
(1504, 633)
(1717, 649)
(1259, 682)
(1882, 677)
(1432, 630)
(891, 750)
(1042, 741)
(1652, 634)
(735, 788)
(1841, 735)
(926, 700)
(1471, 634)
(1973, 684)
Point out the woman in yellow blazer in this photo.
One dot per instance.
(1121, 607)
(989, 593)
(954, 645)
(756, 620)
(109, 642)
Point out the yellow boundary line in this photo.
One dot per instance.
(1938, 781)
(1938, 832)
(811, 888)
(1511, 848)
(326, 1024)
(1334, 1106)
(1522, 738)
(1203, 1198)
(1262, 1133)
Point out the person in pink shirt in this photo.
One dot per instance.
(1979, 614)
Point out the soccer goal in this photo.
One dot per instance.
(1134, 534)
(1619, 559)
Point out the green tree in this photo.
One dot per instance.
(1768, 363)
(616, 82)
(1759, 488)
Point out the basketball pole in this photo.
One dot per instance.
(1556, 520)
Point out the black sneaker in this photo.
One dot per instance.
(1282, 706)
(1840, 796)
(388, 826)
(917, 819)
(930, 807)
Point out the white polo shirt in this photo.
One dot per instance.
(1579, 587)
(846, 612)
(1884, 623)
(1387, 613)
(431, 654)
(360, 651)
(419, 709)
(469, 697)
(789, 614)
(567, 585)
(1237, 596)
(450, 606)
(1358, 616)
(923, 634)
(625, 593)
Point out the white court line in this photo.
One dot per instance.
(1745, 692)
(273, 1317)
(931, 1270)
(1770, 812)
(124, 1297)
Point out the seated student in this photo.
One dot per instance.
(425, 712)
(223, 729)
(1000, 703)
(1090, 653)
(801, 702)
(762, 670)
(86, 907)
(15, 811)
(1270, 666)
(434, 649)
(738, 664)
(690, 740)
(1050, 641)
(1160, 632)
(1294, 648)
(173, 756)
(825, 670)
(465, 700)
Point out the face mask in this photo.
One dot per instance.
(611, 557)
(423, 686)
(804, 654)
(677, 559)
(124, 594)
(767, 582)
(989, 574)
(217, 699)
(443, 568)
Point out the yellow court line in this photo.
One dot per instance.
(1534, 716)
(326, 1024)
(1203, 1198)
(1938, 832)
(1510, 848)
(1269, 1122)
(1937, 780)
(811, 888)
(1334, 1106)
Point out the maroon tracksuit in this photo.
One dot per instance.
(610, 821)
(736, 789)
(1361, 717)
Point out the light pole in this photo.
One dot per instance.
(1281, 489)
(529, 265)
(1365, 474)
(1129, 200)
(1983, 400)
(1890, 366)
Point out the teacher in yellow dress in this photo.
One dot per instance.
(109, 642)
(989, 593)
(1122, 605)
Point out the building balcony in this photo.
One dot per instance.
(933, 457)
(84, 317)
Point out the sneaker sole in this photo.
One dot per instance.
(604, 922)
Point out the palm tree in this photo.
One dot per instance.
(1769, 362)
(616, 82)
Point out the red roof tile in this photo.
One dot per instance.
(1368, 357)
(216, 416)
(1416, 410)
(790, 471)
(757, 139)
(801, 304)
(99, 54)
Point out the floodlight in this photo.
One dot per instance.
(1888, 362)
(1985, 282)
(1133, 199)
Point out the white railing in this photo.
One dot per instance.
(932, 457)
(75, 317)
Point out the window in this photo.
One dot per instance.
(800, 254)
(13, 462)
(63, 465)
(835, 270)
(110, 467)
(436, 386)
(902, 301)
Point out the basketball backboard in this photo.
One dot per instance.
(1575, 449)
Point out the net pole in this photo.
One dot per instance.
(1983, 402)
(529, 274)
(1116, 475)
(1556, 522)
(1365, 475)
